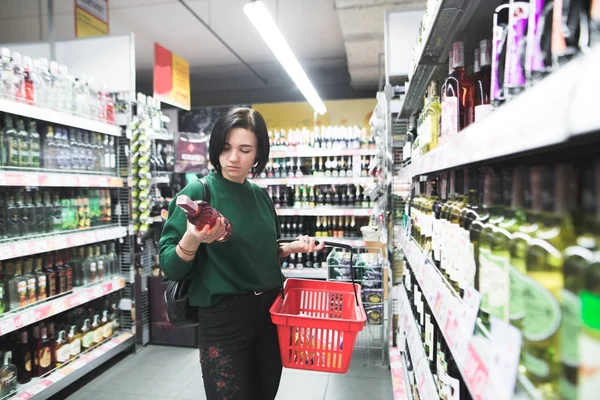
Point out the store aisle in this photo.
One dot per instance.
(159, 373)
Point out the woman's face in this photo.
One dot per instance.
(239, 154)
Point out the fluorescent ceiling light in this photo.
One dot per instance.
(258, 14)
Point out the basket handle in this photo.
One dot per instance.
(328, 244)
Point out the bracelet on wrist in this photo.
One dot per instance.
(184, 251)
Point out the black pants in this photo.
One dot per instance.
(239, 348)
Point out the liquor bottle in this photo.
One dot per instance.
(87, 336)
(523, 232)
(457, 96)
(11, 143)
(455, 272)
(200, 213)
(31, 281)
(17, 287)
(89, 267)
(48, 221)
(97, 330)
(493, 295)
(99, 265)
(74, 341)
(34, 146)
(40, 278)
(578, 259)
(62, 349)
(482, 80)
(43, 353)
(23, 213)
(107, 326)
(68, 270)
(8, 376)
(23, 144)
(23, 358)
(61, 273)
(33, 224)
(52, 288)
(541, 349)
(56, 212)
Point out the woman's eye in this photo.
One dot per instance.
(245, 151)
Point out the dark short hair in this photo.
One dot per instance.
(245, 118)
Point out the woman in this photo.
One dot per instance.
(234, 283)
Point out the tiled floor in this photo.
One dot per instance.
(160, 373)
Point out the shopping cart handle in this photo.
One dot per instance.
(332, 244)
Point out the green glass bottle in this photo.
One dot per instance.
(541, 345)
(578, 259)
(491, 272)
(455, 235)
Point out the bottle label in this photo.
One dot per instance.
(88, 340)
(107, 330)
(13, 152)
(517, 306)
(570, 328)
(100, 270)
(24, 152)
(449, 117)
(589, 365)
(35, 154)
(98, 335)
(22, 293)
(27, 361)
(63, 354)
(41, 287)
(536, 366)
(45, 357)
(543, 312)
(458, 55)
(31, 290)
(452, 388)
(514, 76)
(497, 285)
(76, 347)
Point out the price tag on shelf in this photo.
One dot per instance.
(505, 348)
(55, 376)
(83, 297)
(31, 180)
(22, 249)
(470, 309)
(99, 290)
(6, 252)
(58, 306)
(41, 246)
(97, 181)
(7, 326)
(70, 181)
(2, 179)
(61, 242)
(38, 388)
(475, 374)
(28, 318)
(76, 240)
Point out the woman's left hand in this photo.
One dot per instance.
(306, 244)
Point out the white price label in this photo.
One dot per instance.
(6, 252)
(84, 181)
(22, 249)
(505, 345)
(84, 297)
(55, 377)
(41, 246)
(28, 318)
(98, 292)
(7, 326)
(36, 389)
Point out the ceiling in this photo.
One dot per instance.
(337, 41)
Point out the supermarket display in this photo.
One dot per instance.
(47, 84)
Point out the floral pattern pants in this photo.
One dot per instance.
(239, 348)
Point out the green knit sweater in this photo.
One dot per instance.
(247, 261)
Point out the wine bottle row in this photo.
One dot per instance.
(528, 41)
(340, 227)
(528, 238)
(38, 349)
(28, 280)
(447, 377)
(332, 166)
(21, 145)
(316, 260)
(28, 212)
(323, 137)
(323, 195)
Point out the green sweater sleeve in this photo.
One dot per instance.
(175, 227)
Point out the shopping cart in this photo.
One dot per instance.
(318, 321)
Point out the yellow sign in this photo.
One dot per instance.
(171, 78)
(300, 114)
(91, 18)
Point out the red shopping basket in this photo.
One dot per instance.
(318, 321)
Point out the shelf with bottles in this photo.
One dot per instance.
(422, 383)
(325, 211)
(38, 87)
(333, 138)
(41, 349)
(30, 145)
(45, 178)
(330, 167)
(313, 181)
(39, 311)
(313, 197)
(340, 229)
(28, 212)
(44, 387)
(397, 369)
(307, 152)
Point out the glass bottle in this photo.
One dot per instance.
(44, 353)
(17, 287)
(107, 325)
(23, 139)
(98, 331)
(482, 80)
(24, 359)
(579, 258)
(62, 350)
(541, 346)
(61, 273)
(41, 282)
(8, 375)
(11, 143)
(50, 276)
(457, 96)
(89, 267)
(87, 336)
(31, 280)
(34, 160)
(74, 341)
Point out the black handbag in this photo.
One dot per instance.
(179, 310)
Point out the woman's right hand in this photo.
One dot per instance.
(206, 234)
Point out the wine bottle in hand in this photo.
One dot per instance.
(200, 213)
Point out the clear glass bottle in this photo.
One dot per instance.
(8, 376)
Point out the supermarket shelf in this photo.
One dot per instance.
(471, 354)
(43, 388)
(325, 211)
(536, 119)
(57, 117)
(80, 295)
(354, 242)
(59, 241)
(51, 179)
(425, 381)
(449, 21)
(398, 370)
(163, 136)
(306, 273)
(313, 180)
(310, 152)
